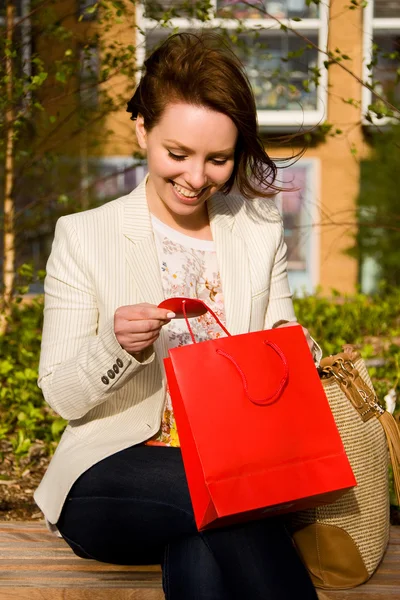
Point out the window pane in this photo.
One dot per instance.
(385, 9)
(299, 211)
(256, 9)
(114, 178)
(277, 84)
(173, 8)
(155, 37)
(294, 216)
(278, 65)
(386, 70)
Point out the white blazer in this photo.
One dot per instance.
(105, 258)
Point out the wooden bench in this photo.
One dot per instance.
(35, 565)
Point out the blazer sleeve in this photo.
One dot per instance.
(280, 305)
(75, 354)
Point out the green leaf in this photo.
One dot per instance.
(38, 80)
(61, 76)
(57, 427)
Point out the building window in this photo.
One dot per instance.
(382, 57)
(280, 9)
(116, 176)
(280, 64)
(300, 213)
(386, 9)
(277, 84)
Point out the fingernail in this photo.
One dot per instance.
(171, 315)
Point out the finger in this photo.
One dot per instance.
(139, 338)
(133, 327)
(136, 347)
(145, 312)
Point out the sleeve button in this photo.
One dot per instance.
(116, 369)
(120, 363)
(105, 380)
(111, 374)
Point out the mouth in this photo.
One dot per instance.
(188, 196)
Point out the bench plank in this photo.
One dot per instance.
(71, 594)
(36, 565)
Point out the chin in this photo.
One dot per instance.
(185, 209)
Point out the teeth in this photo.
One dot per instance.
(184, 192)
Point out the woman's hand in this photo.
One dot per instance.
(137, 327)
(305, 331)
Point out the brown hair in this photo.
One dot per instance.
(201, 69)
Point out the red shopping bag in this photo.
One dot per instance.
(256, 431)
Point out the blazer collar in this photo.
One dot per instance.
(233, 261)
(137, 221)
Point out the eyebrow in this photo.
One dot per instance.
(189, 150)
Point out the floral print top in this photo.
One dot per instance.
(189, 268)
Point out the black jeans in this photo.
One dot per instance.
(134, 508)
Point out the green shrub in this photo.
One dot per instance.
(24, 416)
(372, 323)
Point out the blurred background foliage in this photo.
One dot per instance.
(378, 206)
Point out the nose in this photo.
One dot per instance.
(196, 175)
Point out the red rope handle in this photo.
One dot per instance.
(275, 395)
(210, 311)
(187, 321)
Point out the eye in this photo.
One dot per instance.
(178, 157)
(220, 162)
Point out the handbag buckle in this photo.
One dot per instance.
(356, 389)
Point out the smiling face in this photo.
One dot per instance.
(190, 156)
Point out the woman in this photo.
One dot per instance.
(116, 488)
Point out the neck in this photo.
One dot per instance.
(196, 224)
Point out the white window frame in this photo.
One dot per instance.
(372, 25)
(267, 119)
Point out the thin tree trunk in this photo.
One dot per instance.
(9, 207)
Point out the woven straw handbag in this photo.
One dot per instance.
(342, 543)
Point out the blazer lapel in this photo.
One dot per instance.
(141, 254)
(233, 265)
